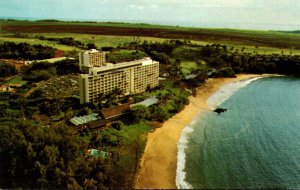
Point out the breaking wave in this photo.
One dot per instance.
(226, 91)
(181, 183)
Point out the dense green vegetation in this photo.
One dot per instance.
(52, 156)
(11, 50)
(7, 70)
(35, 41)
(39, 71)
(49, 157)
(69, 41)
(117, 56)
(215, 60)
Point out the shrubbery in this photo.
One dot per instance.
(7, 70)
(11, 50)
(49, 157)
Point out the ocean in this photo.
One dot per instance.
(254, 145)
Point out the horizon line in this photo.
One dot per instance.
(163, 23)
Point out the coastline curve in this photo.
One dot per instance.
(224, 92)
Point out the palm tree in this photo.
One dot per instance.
(90, 184)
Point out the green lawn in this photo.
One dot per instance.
(132, 133)
(32, 41)
(99, 40)
(186, 66)
(133, 144)
(262, 49)
(16, 80)
(124, 56)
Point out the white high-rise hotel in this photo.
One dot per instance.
(101, 77)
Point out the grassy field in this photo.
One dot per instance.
(100, 40)
(186, 66)
(114, 41)
(134, 139)
(33, 41)
(262, 49)
(16, 80)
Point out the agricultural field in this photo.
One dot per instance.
(100, 40)
(263, 38)
(114, 34)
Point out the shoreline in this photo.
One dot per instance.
(159, 161)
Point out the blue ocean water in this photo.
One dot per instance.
(255, 144)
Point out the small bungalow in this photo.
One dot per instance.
(96, 124)
(115, 112)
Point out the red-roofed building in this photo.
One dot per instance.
(58, 53)
(115, 112)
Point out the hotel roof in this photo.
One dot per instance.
(110, 66)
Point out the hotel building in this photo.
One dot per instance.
(90, 59)
(130, 77)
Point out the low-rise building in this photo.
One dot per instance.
(6, 88)
(19, 64)
(84, 119)
(115, 112)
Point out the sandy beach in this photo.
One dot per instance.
(159, 162)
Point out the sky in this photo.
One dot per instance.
(247, 14)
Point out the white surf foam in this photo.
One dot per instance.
(181, 183)
(226, 91)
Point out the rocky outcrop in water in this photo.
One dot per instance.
(220, 110)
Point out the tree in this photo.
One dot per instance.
(140, 112)
(159, 113)
(162, 58)
(12, 147)
(117, 125)
(91, 46)
(67, 66)
(175, 69)
(217, 63)
(12, 50)
(7, 70)
(49, 157)
(163, 96)
(38, 93)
